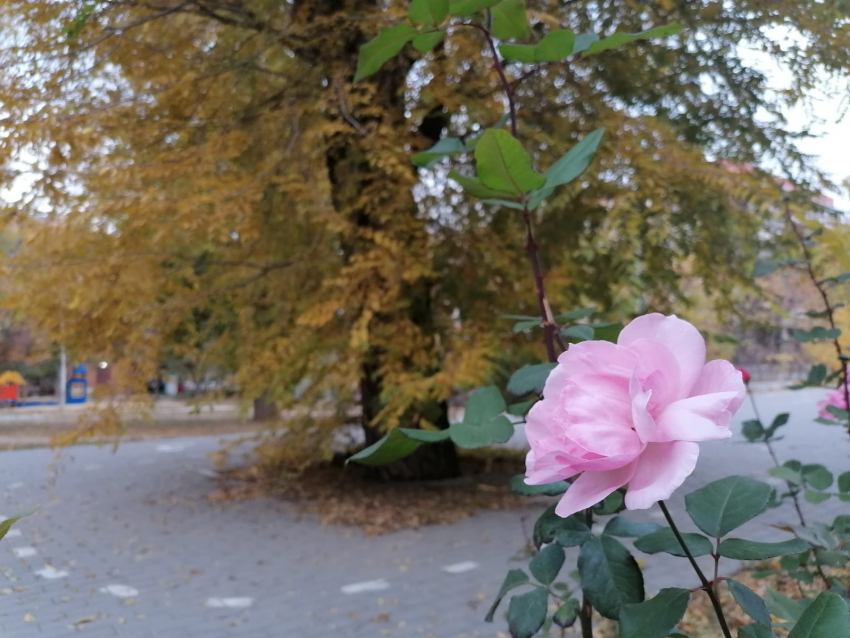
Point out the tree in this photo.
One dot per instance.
(204, 159)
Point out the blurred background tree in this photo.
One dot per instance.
(201, 181)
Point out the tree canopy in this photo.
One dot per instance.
(205, 179)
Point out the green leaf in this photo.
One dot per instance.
(519, 52)
(519, 486)
(566, 614)
(833, 558)
(474, 187)
(792, 562)
(816, 498)
(741, 549)
(841, 524)
(619, 39)
(787, 474)
(483, 405)
(817, 334)
(446, 147)
(611, 504)
(392, 447)
(823, 421)
(547, 563)
(817, 535)
(723, 505)
(6, 525)
(503, 163)
(755, 631)
(783, 607)
(575, 315)
(752, 430)
(568, 532)
(549, 525)
(515, 578)
(570, 166)
(522, 326)
(765, 267)
(664, 541)
(817, 374)
(465, 8)
(610, 576)
(656, 617)
(425, 42)
(386, 46)
(520, 409)
(844, 482)
(527, 612)
(828, 616)
(470, 436)
(750, 602)
(555, 46)
(624, 528)
(817, 476)
(778, 421)
(838, 413)
(530, 379)
(80, 20)
(431, 12)
(583, 42)
(510, 21)
(579, 332)
(425, 436)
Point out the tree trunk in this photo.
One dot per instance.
(265, 410)
(351, 173)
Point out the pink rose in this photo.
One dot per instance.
(631, 412)
(835, 398)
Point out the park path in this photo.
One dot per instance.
(126, 544)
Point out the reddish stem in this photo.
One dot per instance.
(830, 309)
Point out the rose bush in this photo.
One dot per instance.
(623, 407)
(632, 412)
(835, 399)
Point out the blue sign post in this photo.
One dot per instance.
(77, 391)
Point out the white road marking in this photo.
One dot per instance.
(24, 552)
(230, 603)
(51, 573)
(365, 586)
(171, 447)
(120, 591)
(459, 568)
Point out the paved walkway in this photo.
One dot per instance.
(126, 544)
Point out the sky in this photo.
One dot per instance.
(820, 115)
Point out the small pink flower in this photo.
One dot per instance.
(745, 374)
(631, 412)
(834, 398)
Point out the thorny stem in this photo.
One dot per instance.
(706, 586)
(821, 288)
(792, 489)
(550, 327)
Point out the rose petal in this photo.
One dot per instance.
(591, 487)
(661, 469)
(683, 341)
(721, 376)
(700, 418)
(599, 423)
(658, 371)
(643, 422)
